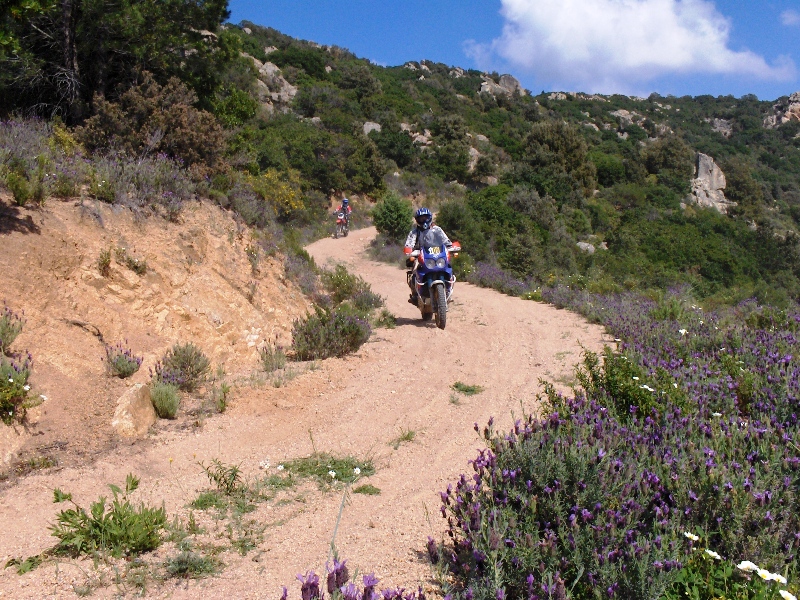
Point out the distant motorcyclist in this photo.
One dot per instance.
(424, 222)
(345, 208)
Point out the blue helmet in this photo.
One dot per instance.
(345, 202)
(423, 217)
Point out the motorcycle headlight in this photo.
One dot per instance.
(441, 262)
(430, 263)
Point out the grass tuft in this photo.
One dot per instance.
(467, 390)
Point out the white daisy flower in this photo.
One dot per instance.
(713, 554)
(691, 536)
(747, 566)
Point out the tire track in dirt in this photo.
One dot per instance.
(399, 381)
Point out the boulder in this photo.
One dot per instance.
(586, 247)
(626, 117)
(783, 112)
(474, 155)
(708, 185)
(722, 126)
(511, 85)
(370, 126)
(135, 413)
(507, 86)
(457, 72)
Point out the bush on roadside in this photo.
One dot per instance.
(343, 286)
(328, 333)
(121, 529)
(273, 357)
(11, 325)
(14, 388)
(165, 399)
(184, 366)
(392, 216)
(121, 362)
(151, 119)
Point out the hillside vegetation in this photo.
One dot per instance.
(676, 455)
(271, 126)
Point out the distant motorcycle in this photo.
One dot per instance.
(342, 225)
(433, 275)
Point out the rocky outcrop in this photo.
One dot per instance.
(784, 111)
(722, 126)
(135, 413)
(708, 185)
(627, 117)
(271, 86)
(370, 126)
(557, 96)
(507, 86)
(474, 155)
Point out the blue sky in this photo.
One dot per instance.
(674, 47)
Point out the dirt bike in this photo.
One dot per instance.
(342, 225)
(432, 275)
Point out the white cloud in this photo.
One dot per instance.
(790, 17)
(613, 45)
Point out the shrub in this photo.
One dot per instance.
(466, 389)
(272, 356)
(597, 493)
(227, 478)
(366, 300)
(121, 361)
(392, 216)
(165, 399)
(190, 565)
(120, 529)
(104, 263)
(339, 586)
(67, 178)
(327, 468)
(578, 496)
(184, 366)
(343, 286)
(154, 119)
(328, 333)
(10, 327)
(20, 188)
(137, 265)
(14, 388)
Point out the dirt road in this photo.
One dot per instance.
(399, 382)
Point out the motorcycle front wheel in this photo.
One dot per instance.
(440, 306)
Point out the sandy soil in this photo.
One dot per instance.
(399, 381)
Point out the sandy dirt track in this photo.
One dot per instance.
(351, 406)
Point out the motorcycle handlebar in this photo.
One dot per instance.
(415, 253)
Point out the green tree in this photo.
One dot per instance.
(672, 160)
(71, 51)
(392, 216)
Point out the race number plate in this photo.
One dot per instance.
(434, 250)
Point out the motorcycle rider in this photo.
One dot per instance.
(345, 208)
(424, 221)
